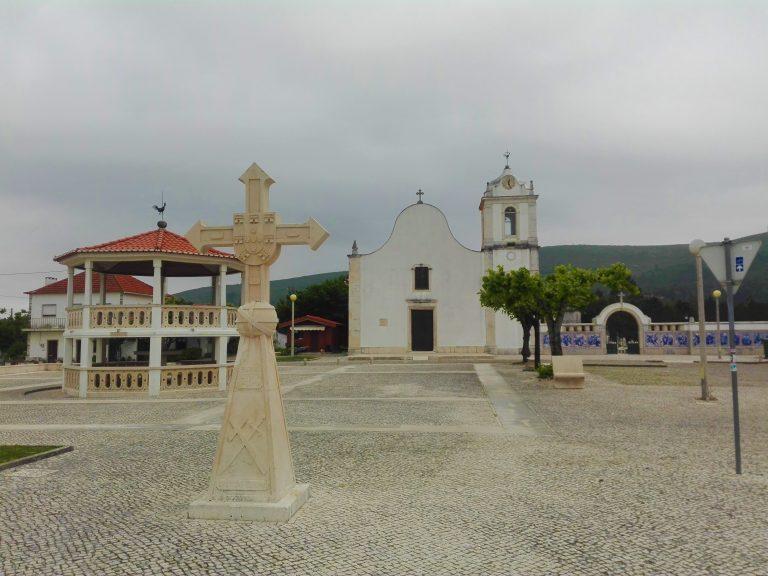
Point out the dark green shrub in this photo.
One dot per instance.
(545, 372)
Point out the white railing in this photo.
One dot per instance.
(71, 379)
(126, 317)
(44, 323)
(107, 316)
(196, 316)
(121, 379)
(74, 318)
(187, 377)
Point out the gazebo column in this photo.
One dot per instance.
(222, 341)
(102, 299)
(102, 288)
(69, 342)
(156, 341)
(86, 351)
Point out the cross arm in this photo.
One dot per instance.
(203, 237)
(310, 233)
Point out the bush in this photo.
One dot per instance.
(545, 372)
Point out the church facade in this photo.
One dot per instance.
(418, 292)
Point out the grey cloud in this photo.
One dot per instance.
(639, 123)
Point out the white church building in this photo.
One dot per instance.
(419, 291)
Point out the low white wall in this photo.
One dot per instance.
(28, 368)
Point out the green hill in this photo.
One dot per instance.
(278, 288)
(666, 271)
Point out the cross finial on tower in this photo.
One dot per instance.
(506, 155)
(420, 194)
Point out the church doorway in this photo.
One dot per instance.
(422, 330)
(622, 333)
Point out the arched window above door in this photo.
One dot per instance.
(510, 222)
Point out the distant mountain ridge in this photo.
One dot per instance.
(278, 289)
(667, 271)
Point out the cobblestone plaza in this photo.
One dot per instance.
(414, 468)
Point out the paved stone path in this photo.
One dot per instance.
(415, 469)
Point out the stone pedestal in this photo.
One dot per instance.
(252, 477)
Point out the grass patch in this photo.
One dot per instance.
(681, 374)
(12, 452)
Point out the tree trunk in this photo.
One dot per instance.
(526, 349)
(537, 344)
(555, 344)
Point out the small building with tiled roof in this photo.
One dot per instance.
(149, 347)
(314, 334)
(115, 284)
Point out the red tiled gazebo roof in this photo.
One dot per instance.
(158, 240)
(115, 283)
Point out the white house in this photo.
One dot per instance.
(419, 291)
(48, 309)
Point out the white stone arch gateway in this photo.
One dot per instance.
(601, 322)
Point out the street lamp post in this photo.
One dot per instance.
(293, 298)
(695, 248)
(717, 294)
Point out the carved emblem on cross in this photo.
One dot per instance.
(256, 235)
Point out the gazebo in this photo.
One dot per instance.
(129, 348)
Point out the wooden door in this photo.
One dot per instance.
(422, 330)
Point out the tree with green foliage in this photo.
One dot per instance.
(13, 339)
(618, 279)
(176, 300)
(523, 295)
(517, 293)
(570, 288)
(567, 288)
(329, 299)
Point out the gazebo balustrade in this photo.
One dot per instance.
(115, 316)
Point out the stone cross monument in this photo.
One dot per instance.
(252, 476)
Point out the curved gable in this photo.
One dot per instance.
(418, 224)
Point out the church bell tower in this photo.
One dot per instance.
(510, 239)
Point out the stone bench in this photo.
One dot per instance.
(568, 372)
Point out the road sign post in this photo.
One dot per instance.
(729, 261)
(732, 352)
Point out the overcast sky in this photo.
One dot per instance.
(639, 123)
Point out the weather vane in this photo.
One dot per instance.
(420, 194)
(161, 210)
